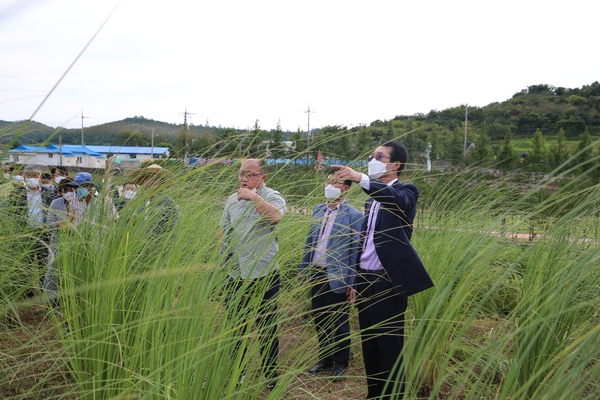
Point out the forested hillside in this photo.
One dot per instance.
(541, 126)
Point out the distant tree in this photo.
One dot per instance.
(183, 143)
(506, 157)
(483, 146)
(165, 144)
(343, 145)
(559, 152)
(132, 138)
(328, 137)
(455, 147)
(252, 142)
(298, 144)
(539, 153)
(229, 142)
(585, 149)
(276, 142)
(364, 142)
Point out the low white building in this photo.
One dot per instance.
(81, 156)
(60, 156)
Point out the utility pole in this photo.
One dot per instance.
(308, 127)
(152, 144)
(185, 134)
(185, 114)
(82, 137)
(465, 138)
(60, 147)
(308, 132)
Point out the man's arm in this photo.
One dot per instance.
(269, 212)
(404, 196)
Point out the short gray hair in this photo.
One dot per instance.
(32, 169)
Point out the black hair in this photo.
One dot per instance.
(64, 183)
(61, 170)
(332, 171)
(397, 153)
(47, 176)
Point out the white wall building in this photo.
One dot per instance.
(81, 156)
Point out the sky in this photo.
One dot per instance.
(232, 62)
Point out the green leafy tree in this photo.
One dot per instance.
(276, 142)
(455, 152)
(364, 142)
(298, 144)
(253, 142)
(585, 149)
(229, 142)
(132, 138)
(483, 146)
(559, 152)
(506, 157)
(343, 145)
(328, 138)
(539, 153)
(183, 144)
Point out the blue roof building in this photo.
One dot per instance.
(80, 156)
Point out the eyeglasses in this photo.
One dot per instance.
(378, 157)
(248, 176)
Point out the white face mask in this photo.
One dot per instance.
(6, 176)
(57, 179)
(332, 193)
(129, 194)
(69, 196)
(47, 185)
(33, 182)
(18, 178)
(376, 168)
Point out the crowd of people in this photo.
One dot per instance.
(348, 258)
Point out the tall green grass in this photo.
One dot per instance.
(143, 315)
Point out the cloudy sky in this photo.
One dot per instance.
(232, 62)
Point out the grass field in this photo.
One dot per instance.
(143, 317)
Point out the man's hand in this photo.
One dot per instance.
(351, 293)
(245, 194)
(344, 172)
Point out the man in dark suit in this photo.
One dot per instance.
(389, 270)
(330, 258)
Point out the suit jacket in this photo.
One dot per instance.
(343, 246)
(393, 230)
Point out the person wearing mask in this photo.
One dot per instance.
(60, 215)
(129, 192)
(248, 228)
(47, 182)
(85, 193)
(18, 179)
(29, 205)
(330, 257)
(390, 269)
(58, 174)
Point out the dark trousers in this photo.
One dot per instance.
(381, 319)
(331, 315)
(266, 321)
